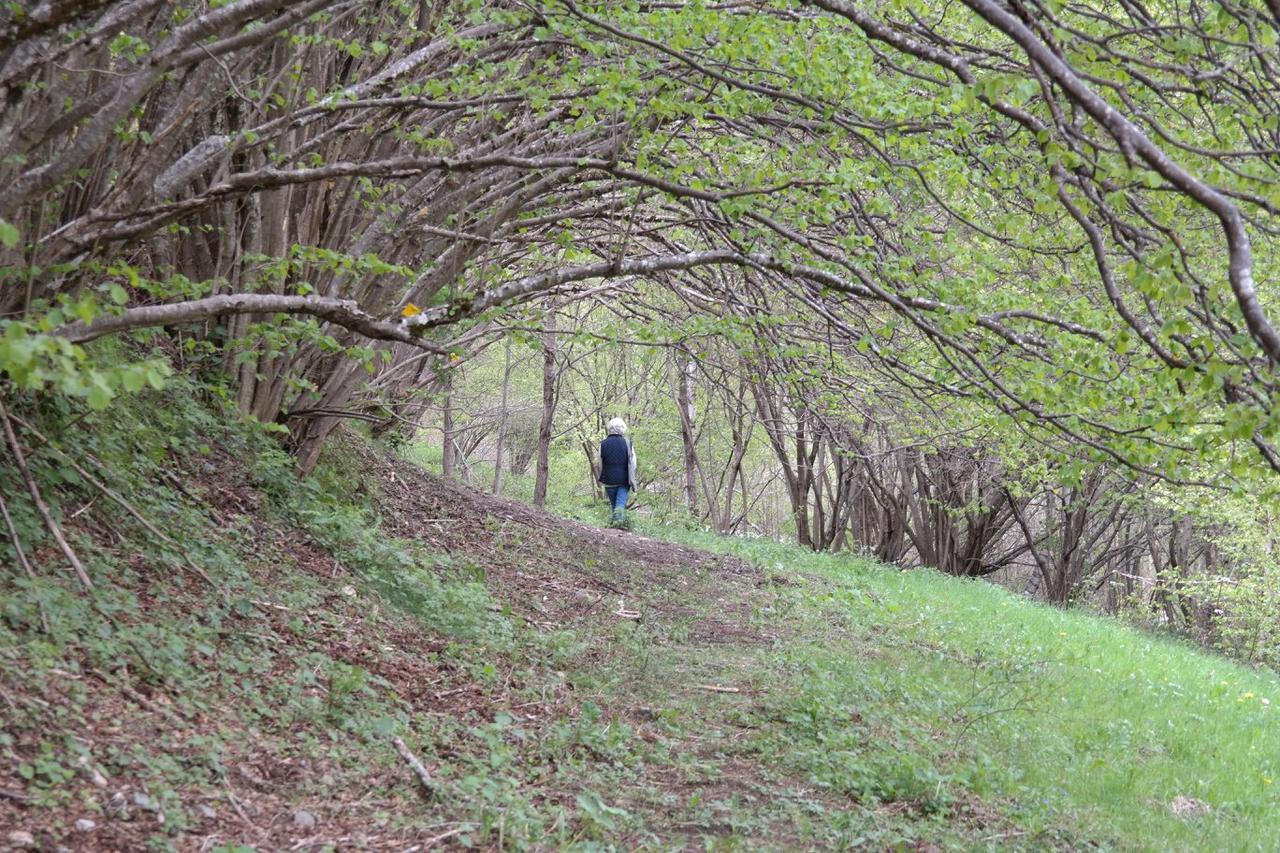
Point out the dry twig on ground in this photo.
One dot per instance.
(416, 765)
(15, 449)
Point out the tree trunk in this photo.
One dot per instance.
(502, 417)
(549, 399)
(449, 442)
(800, 507)
(684, 400)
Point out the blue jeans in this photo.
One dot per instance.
(617, 500)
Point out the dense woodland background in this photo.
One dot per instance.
(982, 287)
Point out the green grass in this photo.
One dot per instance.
(916, 686)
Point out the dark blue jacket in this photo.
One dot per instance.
(615, 456)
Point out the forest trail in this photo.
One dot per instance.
(678, 634)
(554, 570)
(690, 657)
(563, 686)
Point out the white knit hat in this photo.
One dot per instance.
(617, 426)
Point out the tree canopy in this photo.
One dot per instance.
(1057, 212)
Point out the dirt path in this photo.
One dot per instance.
(673, 625)
(524, 552)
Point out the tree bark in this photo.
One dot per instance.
(502, 417)
(550, 394)
(449, 442)
(684, 400)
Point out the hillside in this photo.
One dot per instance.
(557, 685)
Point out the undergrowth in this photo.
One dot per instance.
(270, 659)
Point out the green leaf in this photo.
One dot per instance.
(99, 396)
(134, 379)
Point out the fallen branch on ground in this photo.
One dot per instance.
(128, 507)
(417, 766)
(15, 449)
(239, 809)
(141, 701)
(22, 558)
(443, 693)
(432, 842)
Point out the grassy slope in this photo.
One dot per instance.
(763, 698)
(1061, 720)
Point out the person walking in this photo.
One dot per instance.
(617, 469)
